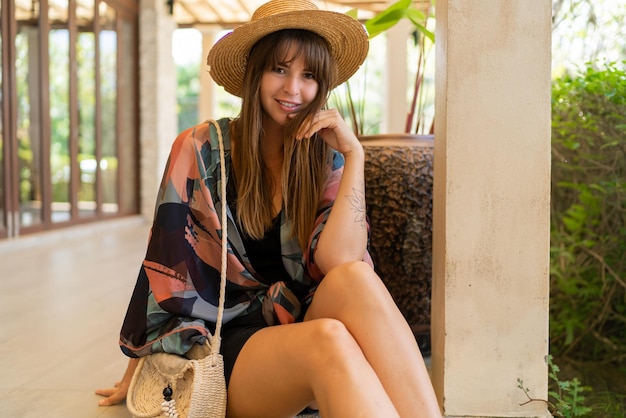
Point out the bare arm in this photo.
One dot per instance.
(344, 237)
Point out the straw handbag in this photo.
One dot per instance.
(172, 386)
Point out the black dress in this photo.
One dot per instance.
(266, 259)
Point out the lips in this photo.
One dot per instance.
(288, 106)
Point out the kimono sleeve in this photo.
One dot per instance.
(175, 301)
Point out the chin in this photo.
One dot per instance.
(281, 121)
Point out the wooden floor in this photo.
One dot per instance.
(63, 296)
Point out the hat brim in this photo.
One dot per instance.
(346, 37)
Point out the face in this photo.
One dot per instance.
(286, 88)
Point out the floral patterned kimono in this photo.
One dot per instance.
(174, 303)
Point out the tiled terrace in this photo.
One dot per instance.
(62, 301)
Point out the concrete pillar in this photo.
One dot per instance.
(157, 92)
(396, 102)
(491, 206)
(207, 103)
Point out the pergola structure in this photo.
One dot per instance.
(192, 13)
(230, 13)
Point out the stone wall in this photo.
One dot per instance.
(398, 183)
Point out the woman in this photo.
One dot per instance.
(307, 321)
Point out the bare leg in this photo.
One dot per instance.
(354, 295)
(282, 369)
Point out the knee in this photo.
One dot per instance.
(352, 271)
(330, 342)
(355, 286)
(354, 278)
(353, 268)
(331, 354)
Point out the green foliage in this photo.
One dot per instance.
(393, 14)
(358, 99)
(566, 400)
(588, 224)
(607, 404)
(568, 395)
(355, 103)
(187, 93)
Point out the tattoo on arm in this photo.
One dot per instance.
(357, 202)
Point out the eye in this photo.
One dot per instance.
(279, 70)
(309, 75)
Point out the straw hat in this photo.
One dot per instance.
(347, 38)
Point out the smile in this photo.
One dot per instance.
(287, 104)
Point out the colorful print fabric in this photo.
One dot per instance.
(174, 303)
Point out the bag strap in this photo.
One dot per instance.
(217, 340)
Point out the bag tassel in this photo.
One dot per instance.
(169, 405)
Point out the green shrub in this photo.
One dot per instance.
(588, 224)
(566, 399)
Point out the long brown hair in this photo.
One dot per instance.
(306, 163)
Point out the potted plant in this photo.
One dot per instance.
(352, 106)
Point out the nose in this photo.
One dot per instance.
(292, 85)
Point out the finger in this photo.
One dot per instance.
(107, 401)
(303, 129)
(106, 392)
(112, 400)
(104, 402)
(109, 391)
(309, 129)
(316, 122)
(310, 125)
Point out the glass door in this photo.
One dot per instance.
(30, 122)
(68, 113)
